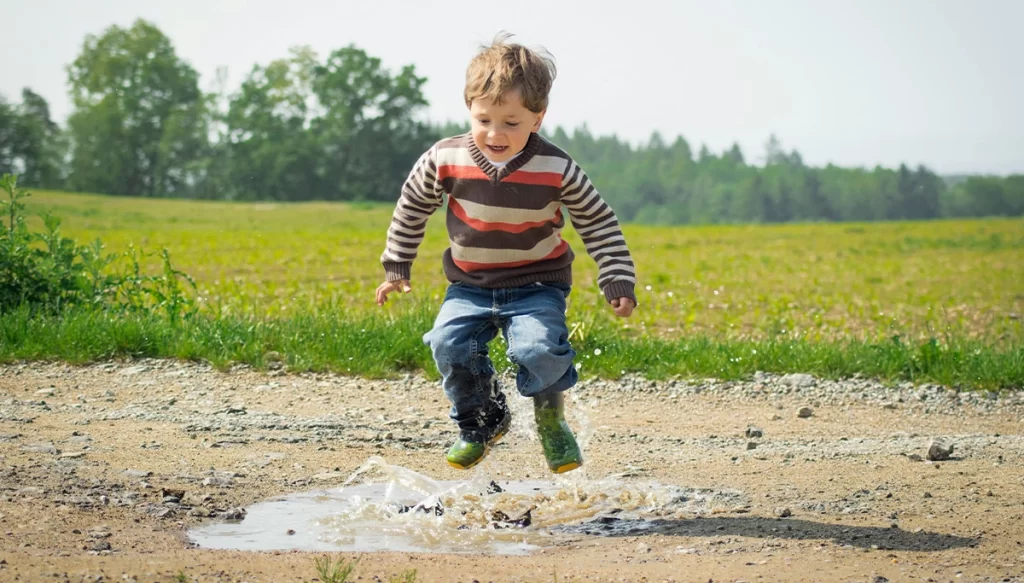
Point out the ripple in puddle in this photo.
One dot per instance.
(392, 508)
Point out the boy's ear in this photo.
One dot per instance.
(540, 119)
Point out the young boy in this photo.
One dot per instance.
(509, 268)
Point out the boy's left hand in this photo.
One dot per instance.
(623, 307)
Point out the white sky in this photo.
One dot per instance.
(852, 82)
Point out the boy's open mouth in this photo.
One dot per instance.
(497, 149)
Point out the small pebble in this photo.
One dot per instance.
(939, 450)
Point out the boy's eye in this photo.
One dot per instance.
(484, 121)
(512, 124)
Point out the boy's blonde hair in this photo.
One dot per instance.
(502, 67)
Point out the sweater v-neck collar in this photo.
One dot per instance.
(496, 173)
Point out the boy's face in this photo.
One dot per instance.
(501, 131)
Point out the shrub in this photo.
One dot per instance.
(49, 272)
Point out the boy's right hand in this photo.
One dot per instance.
(387, 287)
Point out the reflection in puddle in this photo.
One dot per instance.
(384, 507)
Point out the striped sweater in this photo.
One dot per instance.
(505, 223)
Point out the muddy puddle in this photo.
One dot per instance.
(384, 507)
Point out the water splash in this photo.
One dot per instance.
(384, 507)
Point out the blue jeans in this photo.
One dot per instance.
(532, 320)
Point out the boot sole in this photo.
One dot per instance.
(462, 467)
(567, 467)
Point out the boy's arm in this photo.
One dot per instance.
(421, 196)
(596, 223)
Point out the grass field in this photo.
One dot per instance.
(734, 287)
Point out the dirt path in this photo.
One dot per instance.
(104, 468)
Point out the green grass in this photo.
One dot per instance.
(329, 571)
(378, 345)
(931, 301)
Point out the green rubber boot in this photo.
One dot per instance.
(466, 453)
(560, 448)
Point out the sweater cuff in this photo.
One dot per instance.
(619, 289)
(395, 271)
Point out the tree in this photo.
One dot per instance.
(986, 196)
(45, 147)
(818, 203)
(31, 144)
(1013, 194)
(761, 200)
(341, 129)
(368, 133)
(10, 137)
(925, 204)
(734, 155)
(901, 205)
(138, 113)
(705, 154)
(270, 152)
(773, 152)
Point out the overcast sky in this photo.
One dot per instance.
(852, 82)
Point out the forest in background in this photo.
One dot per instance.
(343, 127)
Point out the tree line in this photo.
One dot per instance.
(343, 127)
